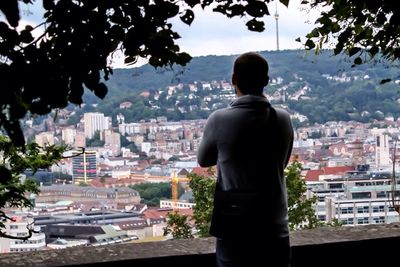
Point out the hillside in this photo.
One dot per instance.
(321, 87)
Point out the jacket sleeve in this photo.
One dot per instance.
(207, 154)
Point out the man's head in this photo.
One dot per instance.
(250, 73)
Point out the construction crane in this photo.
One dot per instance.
(174, 183)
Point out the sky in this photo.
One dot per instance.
(214, 34)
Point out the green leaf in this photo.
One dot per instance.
(298, 39)
(236, 10)
(192, 3)
(101, 90)
(385, 81)
(357, 61)
(11, 10)
(5, 174)
(26, 36)
(373, 51)
(286, 2)
(309, 44)
(183, 58)
(255, 25)
(188, 17)
(257, 9)
(48, 4)
(354, 50)
(313, 34)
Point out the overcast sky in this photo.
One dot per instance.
(214, 34)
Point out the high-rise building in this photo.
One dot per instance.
(45, 138)
(93, 122)
(113, 141)
(80, 140)
(68, 136)
(382, 156)
(84, 166)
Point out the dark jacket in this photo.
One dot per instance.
(251, 155)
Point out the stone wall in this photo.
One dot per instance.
(371, 245)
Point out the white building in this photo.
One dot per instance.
(179, 204)
(129, 128)
(360, 211)
(68, 136)
(19, 228)
(382, 156)
(45, 139)
(113, 141)
(93, 122)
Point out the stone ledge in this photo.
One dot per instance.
(200, 252)
(325, 235)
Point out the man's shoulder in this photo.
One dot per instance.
(283, 116)
(282, 113)
(219, 113)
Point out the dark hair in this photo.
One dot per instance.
(251, 73)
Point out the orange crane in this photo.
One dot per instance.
(174, 183)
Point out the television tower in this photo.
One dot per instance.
(276, 24)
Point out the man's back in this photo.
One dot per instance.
(252, 151)
(250, 142)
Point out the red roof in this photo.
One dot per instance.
(204, 171)
(158, 214)
(313, 175)
(338, 170)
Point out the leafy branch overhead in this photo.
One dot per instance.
(47, 66)
(362, 29)
(14, 161)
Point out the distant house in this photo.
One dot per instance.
(125, 105)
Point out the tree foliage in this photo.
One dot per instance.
(151, 193)
(178, 226)
(14, 161)
(32, 66)
(203, 194)
(301, 210)
(362, 29)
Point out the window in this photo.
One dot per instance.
(379, 219)
(364, 220)
(382, 194)
(347, 221)
(347, 210)
(360, 195)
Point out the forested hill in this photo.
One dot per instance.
(207, 68)
(321, 87)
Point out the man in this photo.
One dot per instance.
(250, 142)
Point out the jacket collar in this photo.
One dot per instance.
(250, 101)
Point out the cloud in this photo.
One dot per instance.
(214, 34)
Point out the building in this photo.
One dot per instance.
(109, 197)
(93, 122)
(45, 139)
(68, 136)
(80, 140)
(84, 166)
(113, 142)
(382, 156)
(18, 228)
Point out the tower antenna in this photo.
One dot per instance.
(276, 24)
